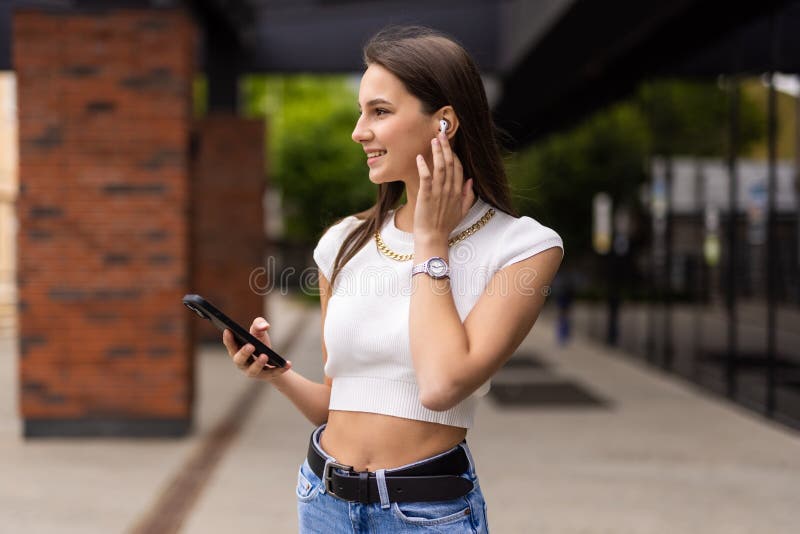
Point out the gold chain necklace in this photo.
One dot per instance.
(457, 239)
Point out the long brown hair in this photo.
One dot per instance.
(439, 72)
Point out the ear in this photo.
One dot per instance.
(449, 114)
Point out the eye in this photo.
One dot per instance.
(380, 111)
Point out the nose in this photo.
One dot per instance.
(360, 132)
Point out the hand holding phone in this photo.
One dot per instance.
(242, 357)
(240, 336)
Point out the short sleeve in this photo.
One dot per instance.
(328, 246)
(525, 237)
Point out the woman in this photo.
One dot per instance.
(406, 354)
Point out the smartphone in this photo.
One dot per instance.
(206, 310)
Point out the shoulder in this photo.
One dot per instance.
(522, 237)
(332, 238)
(527, 229)
(341, 228)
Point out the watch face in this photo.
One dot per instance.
(437, 267)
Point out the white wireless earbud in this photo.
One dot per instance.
(443, 125)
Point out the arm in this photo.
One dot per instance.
(452, 359)
(311, 398)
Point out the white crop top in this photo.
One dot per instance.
(366, 325)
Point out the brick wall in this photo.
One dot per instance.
(228, 228)
(104, 117)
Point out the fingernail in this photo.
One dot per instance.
(262, 324)
(435, 141)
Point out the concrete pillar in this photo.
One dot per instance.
(9, 418)
(104, 104)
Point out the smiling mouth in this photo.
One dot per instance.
(377, 154)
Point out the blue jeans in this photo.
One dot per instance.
(318, 512)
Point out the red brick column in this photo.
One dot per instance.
(228, 217)
(104, 104)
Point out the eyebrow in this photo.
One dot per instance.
(375, 101)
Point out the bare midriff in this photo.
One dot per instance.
(369, 441)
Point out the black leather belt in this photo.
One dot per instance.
(436, 479)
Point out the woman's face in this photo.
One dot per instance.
(392, 127)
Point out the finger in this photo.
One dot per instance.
(257, 366)
(230, 342)
(240, 358)
(266, 367)
(259, 328)
(269, 372)
(424, 174)
(458, 175)
(449, 169)
(227, 340)
(438, 165)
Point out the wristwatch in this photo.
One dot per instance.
(435, 267)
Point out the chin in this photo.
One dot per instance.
(385, 176)
(379, 178)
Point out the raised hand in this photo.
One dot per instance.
(444, 196)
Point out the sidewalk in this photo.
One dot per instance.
(107, 485)
(659, 457)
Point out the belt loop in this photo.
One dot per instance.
(464, 446)
(363, 487)
(383, 491)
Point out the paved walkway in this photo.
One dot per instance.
(658, 457)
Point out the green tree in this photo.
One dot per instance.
(319, 171)
(691, 118)
(555, 179)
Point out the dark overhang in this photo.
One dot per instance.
(327, 36)
(598, 51)
(556, 60)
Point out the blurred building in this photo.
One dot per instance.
(701, 205)
(127, 199)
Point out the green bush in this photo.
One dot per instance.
(320, 173)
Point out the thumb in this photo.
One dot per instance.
(259, 328)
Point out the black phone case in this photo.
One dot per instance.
(206, 310)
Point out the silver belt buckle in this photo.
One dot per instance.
(327, 475)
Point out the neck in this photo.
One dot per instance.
(404, 216)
